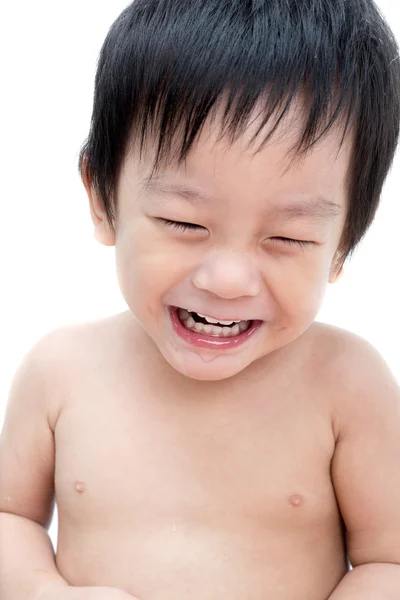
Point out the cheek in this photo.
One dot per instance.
(148, 263)
(299, 287)
(139, 251)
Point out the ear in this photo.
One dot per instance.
(336, 271)
(102, 232)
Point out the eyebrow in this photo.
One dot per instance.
(316, 207)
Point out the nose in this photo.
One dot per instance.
(229, 275)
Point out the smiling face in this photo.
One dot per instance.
(260, 247)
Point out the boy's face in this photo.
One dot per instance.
(234, 265)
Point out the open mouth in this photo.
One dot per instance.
(210, 326)
(205, 331)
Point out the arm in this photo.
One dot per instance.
(366, 476)
(26, 480)
(27, 562)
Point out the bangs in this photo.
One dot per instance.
(167, 66)
(202, 62)
(256, 54)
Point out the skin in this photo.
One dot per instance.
(226, 491)
(231, 266)
(182, 472)
(169, 490)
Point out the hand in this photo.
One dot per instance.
(65, 592)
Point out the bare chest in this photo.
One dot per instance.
(257, 458)
(204, 490)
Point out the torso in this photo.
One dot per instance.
(174, 489)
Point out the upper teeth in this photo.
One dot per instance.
(214, 321)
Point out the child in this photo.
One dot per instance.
(214, 441)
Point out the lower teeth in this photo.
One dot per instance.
(212, 330)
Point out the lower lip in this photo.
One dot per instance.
(201, 340)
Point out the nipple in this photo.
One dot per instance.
(80, 487)
(296, 500)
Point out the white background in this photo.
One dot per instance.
(53, 272)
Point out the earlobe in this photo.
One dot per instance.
(336, 274)
(102, 232)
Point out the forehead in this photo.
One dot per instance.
(317, 207)
(216, 168)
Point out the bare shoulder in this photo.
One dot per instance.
(64, 346)
(68, 354)
(72, 341)
(355, 373)
(343, 353)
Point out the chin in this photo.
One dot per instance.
(202, 367)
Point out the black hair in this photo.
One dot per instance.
(165, 65)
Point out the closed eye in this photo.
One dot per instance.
(181, 226)
(292, 242)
